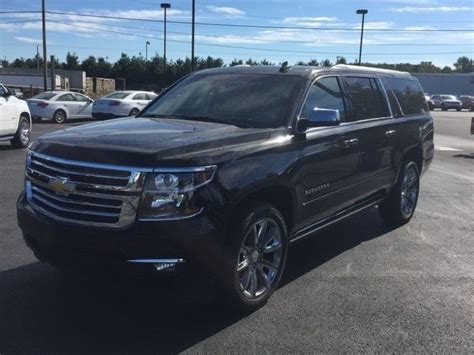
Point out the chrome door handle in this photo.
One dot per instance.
(351, 142)
(390, 133)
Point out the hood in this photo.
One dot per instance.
(147, 141)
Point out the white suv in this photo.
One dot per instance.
(15, 119)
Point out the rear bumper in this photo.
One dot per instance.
(197, 240)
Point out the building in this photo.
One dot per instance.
(30, 81)
(451, 84)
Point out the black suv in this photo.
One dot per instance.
(228, 168)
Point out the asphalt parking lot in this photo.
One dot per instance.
(357, 287)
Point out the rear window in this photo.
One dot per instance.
(118, 95)
(410, 96)
(44, 96)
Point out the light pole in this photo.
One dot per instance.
(164, 6)
(192, 36)
(361, 12)
(146, 50)
(45, 59)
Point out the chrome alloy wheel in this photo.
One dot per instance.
(409, 191)
(24, 132)
(260, 258)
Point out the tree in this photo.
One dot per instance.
(72, 62)
(464, 65)
(341, 60)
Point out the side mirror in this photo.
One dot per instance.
(7, 93)
(318, 117)
(322, 117)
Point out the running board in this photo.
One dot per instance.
(325, 223)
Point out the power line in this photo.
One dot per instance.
(340, 29)
(248, 48)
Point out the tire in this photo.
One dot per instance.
(443, 108)
(59, 116)
(471, 108)
(36, 119)
(134, 112)
(23, 134)
(255, 264)
(400, 206)
(458, 109)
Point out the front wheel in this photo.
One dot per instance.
(458, 109)
(443, 108)
(22, 135)
(400, 206)
(257, 256)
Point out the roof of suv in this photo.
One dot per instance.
(308, 72)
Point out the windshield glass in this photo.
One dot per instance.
(44, 96)
(118, 95)
(244, 100)
(448, 97)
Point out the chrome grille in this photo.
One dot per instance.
(81, 192)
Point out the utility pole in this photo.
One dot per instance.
(53, 74)
(192, 35)
(164, 6)
(146, 50)
(37, 58)
(45, 58)
(362, 12)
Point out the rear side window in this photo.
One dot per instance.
(118, 95)
(325, 93)
(81, 97)
(44, 96)
(366, 99)
(409, 95)
(140, 96)
(66, 97)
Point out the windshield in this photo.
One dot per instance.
(448, 97)
(244, 100)
(118, 95)
(44, 96)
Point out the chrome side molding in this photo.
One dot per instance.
(160, 264)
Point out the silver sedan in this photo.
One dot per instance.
(60, 105)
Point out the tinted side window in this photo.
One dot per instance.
(66, 97)
(366, 98)
(410, 96)
(325, 93)
(81, 98)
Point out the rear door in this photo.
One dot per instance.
(70, 103)
(370, 120)
(8, 113)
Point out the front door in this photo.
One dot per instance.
(330, 156)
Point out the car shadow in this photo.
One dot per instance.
(42, 310)
(465, 156)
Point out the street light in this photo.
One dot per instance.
(192, 35)
(164, 6)
(361, 12)
(146, 50)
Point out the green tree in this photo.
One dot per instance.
(464, 65)
(72, 62)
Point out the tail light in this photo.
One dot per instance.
(114, 103)
(42, 104)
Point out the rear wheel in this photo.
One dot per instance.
(400, 206)
(257, 256)
(134, 112)
(22, 135)
(458, 109)
(59, 116)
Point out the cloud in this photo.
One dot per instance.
(30, 40)
(381, 25)
(414, 9)
(232, 11)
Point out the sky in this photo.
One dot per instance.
(284, 30)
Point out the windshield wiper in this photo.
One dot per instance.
(218, 120)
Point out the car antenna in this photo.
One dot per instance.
(284, 67)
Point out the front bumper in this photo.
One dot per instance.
(197, 240)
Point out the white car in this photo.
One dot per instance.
(121, 104)
(60, 105)
(15, 119)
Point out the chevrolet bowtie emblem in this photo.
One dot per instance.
(61, 185)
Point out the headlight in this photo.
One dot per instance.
(169, 194)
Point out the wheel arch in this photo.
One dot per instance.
(281, 196)
(28, 115)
